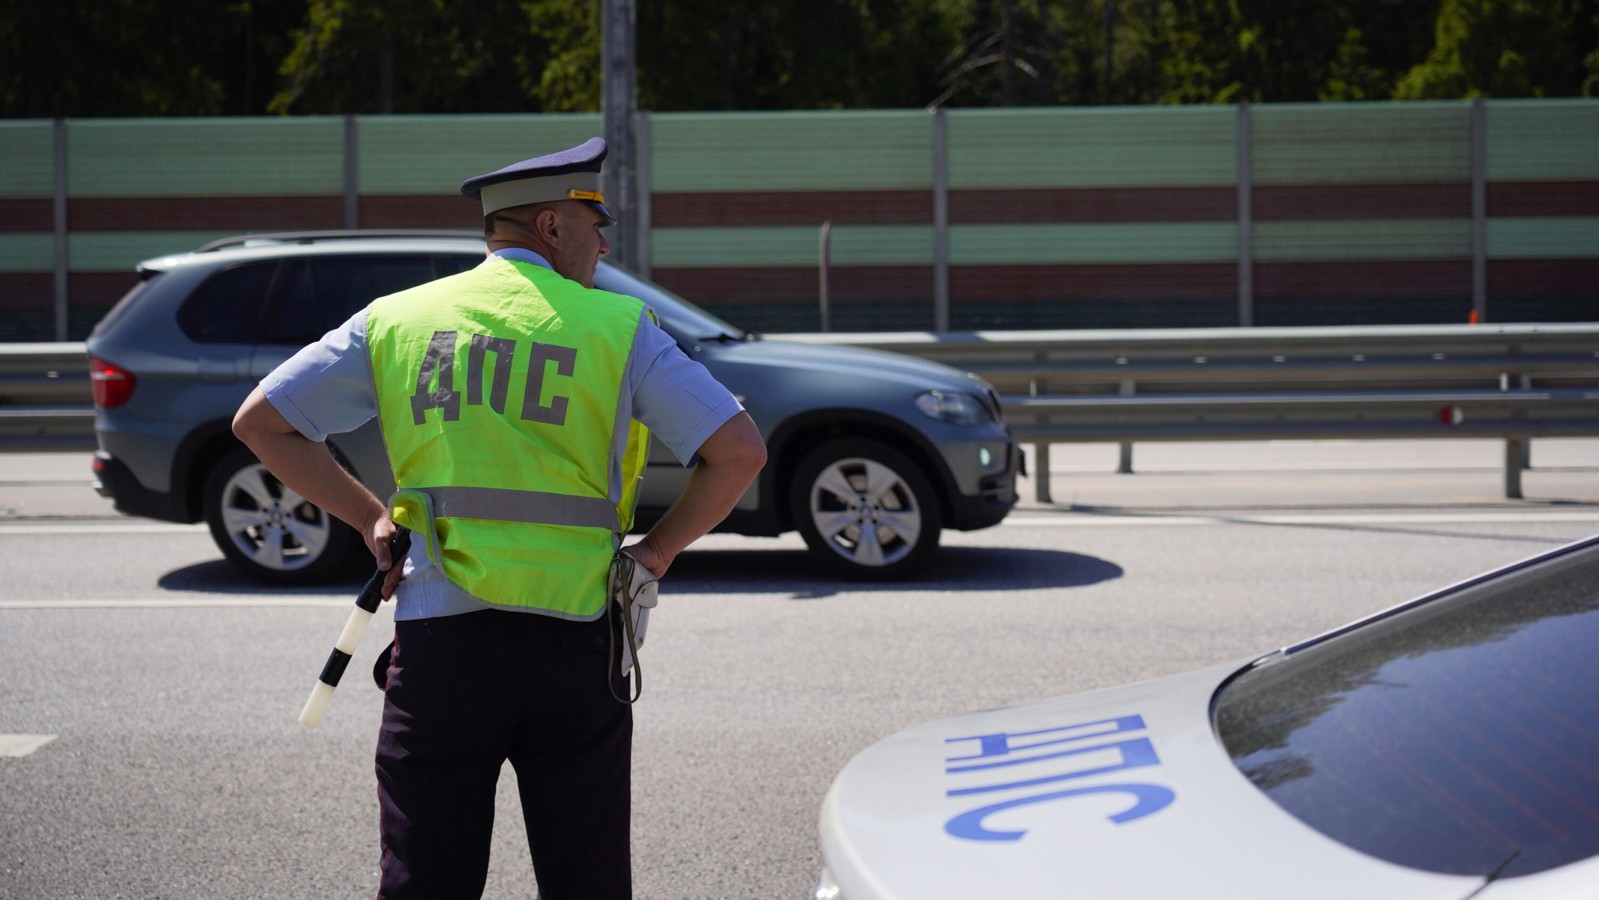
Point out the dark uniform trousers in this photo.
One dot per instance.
(468, 692)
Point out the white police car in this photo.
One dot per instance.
(1445, 748)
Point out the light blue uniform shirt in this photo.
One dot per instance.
(327, 388)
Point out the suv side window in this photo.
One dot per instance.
(318, 293)
(226, 308)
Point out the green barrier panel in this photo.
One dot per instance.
(1167, 242)
(1362, 239)
(432, 155)
(1543, 140)
(1077, 148)
(1545, 238)
(27, 148)
(1366, 143)
(27, 252)
(762, 247)
(811, 151)
(228, 157)
(121, 251)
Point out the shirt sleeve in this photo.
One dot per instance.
(326, 388)
(674, 396)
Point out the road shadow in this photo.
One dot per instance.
(795, 572)
(220, 577)
(790, 572)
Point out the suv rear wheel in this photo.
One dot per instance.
(270, 532)
(865, 509)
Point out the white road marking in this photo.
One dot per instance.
(1024, 518)
(182, 603)
(16, 745)
(1067, 519)
(98, 527)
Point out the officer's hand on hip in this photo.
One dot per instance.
(647, 557)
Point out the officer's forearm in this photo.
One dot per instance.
(305, 466)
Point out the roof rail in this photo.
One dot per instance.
(315, 237)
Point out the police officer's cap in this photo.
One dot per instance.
(572, 174)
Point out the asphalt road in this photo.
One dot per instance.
(169, 686)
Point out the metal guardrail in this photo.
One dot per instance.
(1513, 381)
(46, 402)
(1516, 382)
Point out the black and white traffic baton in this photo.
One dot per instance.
(365, 605)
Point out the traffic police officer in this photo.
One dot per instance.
(514, 400)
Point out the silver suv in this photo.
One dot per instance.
(870, 454)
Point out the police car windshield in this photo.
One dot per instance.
(1456, 735)
(681, 319)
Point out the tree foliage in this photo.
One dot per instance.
(188, 57)
(1509, 48)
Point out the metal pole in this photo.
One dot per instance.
(620, 96)
(824, 268)
(940, 220)
(58, 149)
(1479, 211)
(641, 132)
(1246, 217)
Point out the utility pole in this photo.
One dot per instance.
(619, 92)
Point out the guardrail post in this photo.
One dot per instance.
(1041, 473)
(1515, 456)
(1517, 452)
(1124, 466)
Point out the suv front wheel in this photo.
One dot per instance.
(270, 532)
(865, 509)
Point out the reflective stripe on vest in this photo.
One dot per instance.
(534, 507)
(523, 478)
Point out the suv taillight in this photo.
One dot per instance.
(112, 384)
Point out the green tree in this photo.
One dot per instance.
(1352, 75)
(1036, 51)
(791, 54)
(246, 57)
(1223, 51)
(1509, 48)
(138, 57)
(424, 56)
(570, 77)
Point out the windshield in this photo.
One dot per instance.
(681, 319)
(1459, 735)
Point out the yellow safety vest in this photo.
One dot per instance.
(499, 395)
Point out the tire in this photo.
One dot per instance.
(865, 509)
(269, 532)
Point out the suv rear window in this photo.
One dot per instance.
(1459, 735)
(296, 301)
(123, 305)
(315, 294)
(226, 308)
